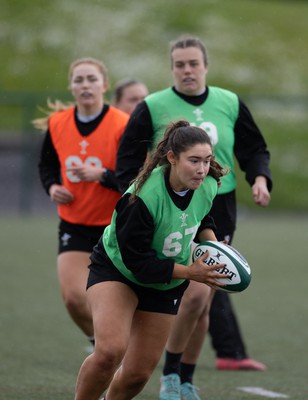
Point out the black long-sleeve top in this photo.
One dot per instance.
(135, 225)
(250, 150)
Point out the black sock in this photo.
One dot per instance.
(187, 371)
(172, 363)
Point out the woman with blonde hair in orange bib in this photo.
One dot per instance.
(76, 168)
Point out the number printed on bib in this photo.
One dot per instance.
(173, 243)
(73, 161)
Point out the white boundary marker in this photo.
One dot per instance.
(263, 392)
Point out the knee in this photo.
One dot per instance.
(74, 300)
(107, 359)
(138, 379)
(195, 303)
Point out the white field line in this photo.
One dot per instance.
(263, 392)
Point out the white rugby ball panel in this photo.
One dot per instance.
(237, 269)
(235, 254)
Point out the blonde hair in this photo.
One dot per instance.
(58, 105)
(89, 60)
(42, 123)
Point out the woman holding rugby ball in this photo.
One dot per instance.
(141, 266)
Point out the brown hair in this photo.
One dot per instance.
(178, 137)
(121, 86)
(185, 41)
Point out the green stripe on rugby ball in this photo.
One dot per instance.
(237, 268)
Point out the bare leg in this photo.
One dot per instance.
(192, 308)
(113, 305)
(148, 338)
(122, 334)
(195, 343)
(72, 274)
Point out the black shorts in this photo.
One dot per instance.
(151, 300)
(78, 237)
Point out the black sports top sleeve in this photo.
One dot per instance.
(250, 148)
(133, 146)
(134, 230)
(49, 164)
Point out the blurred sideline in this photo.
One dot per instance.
(21, 190)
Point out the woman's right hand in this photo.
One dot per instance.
(59, 194)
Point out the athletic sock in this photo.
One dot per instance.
(186, 372)
(172, 363)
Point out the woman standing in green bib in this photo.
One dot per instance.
(234, 135)
(142, 265)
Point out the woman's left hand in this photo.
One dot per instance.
(87, 172)
(260, 193)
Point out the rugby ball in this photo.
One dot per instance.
(237, 269)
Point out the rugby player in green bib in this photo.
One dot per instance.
(234, 135)
(142, 264)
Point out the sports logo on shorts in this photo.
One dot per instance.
(65, 238)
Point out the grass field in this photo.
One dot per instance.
(41, 349)
(257, 49)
